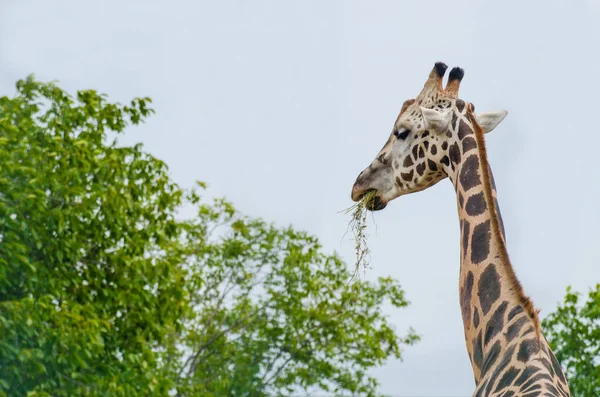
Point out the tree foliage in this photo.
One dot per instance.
(104, 291)
(573, 331)
(275, 314)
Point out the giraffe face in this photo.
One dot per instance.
(412, 158)
(423, 142)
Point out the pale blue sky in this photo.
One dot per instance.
(280, 104)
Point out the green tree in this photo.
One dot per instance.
(104, 291)
(573, 331)
(89, 288)
(274, 314)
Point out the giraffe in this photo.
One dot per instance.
(438, 135)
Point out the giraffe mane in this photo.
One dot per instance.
(495, 227)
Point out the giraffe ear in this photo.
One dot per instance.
(438, 120)
(490, 120)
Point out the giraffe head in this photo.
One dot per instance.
(419, 150)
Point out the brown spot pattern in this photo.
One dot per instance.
(469, 174)
(514, 328)
(465, 299)
(476, 204)
(468, 143)
(464, 130)
(496, 323)
(477, 351)
(431, 164)
(407, 176)
(465, 236)
(455, 153)
(480, 242)
(488, 288)
(527, 348)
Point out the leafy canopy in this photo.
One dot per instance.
(104, 291)
(573, 331)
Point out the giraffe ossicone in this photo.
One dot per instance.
(438, 136)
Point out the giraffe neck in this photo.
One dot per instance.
(491, 297)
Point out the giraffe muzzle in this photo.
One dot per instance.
(374, 204)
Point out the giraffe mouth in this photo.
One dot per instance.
(375, 203)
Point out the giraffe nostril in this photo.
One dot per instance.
(357, 191)
(363, 193)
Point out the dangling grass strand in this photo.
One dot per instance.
(358, 225)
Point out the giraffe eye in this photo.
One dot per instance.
(401, 134)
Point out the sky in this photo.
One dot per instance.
(278, 105)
